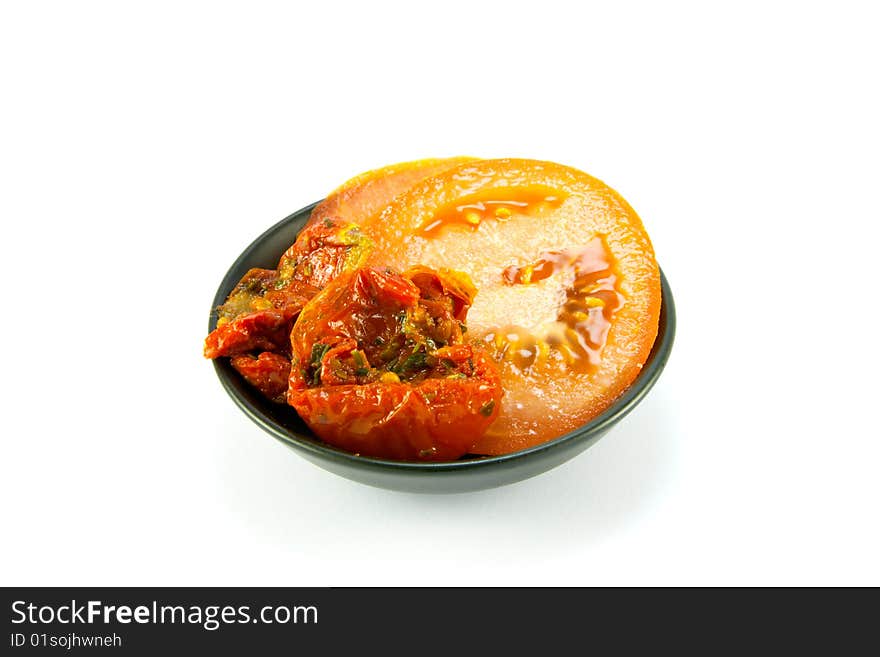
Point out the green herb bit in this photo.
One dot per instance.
(415, 361)
(319, 350)
(487, 408)
(389, 352)
(360, 359)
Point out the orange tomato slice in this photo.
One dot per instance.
(315, 259)
(361, 197)
(568, 295)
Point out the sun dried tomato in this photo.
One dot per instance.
(268, 373)
(260, 310)
(379, 366)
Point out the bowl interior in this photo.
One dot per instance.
(284, 423)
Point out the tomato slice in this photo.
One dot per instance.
(380, 367)
(332, 240)
(569, 290)
(360, 198)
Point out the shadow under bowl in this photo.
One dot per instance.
(464, 475)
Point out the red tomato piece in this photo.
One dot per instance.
(260, 311)
(323, 249)
(267, 372)
(256, 317)
(379, 367)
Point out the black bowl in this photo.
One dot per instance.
(468, 474)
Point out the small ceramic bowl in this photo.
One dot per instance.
(467, 474)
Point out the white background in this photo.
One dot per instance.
(143, 146)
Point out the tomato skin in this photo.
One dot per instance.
(433, 420)
(268, 373)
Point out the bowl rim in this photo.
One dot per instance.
(616, 411)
